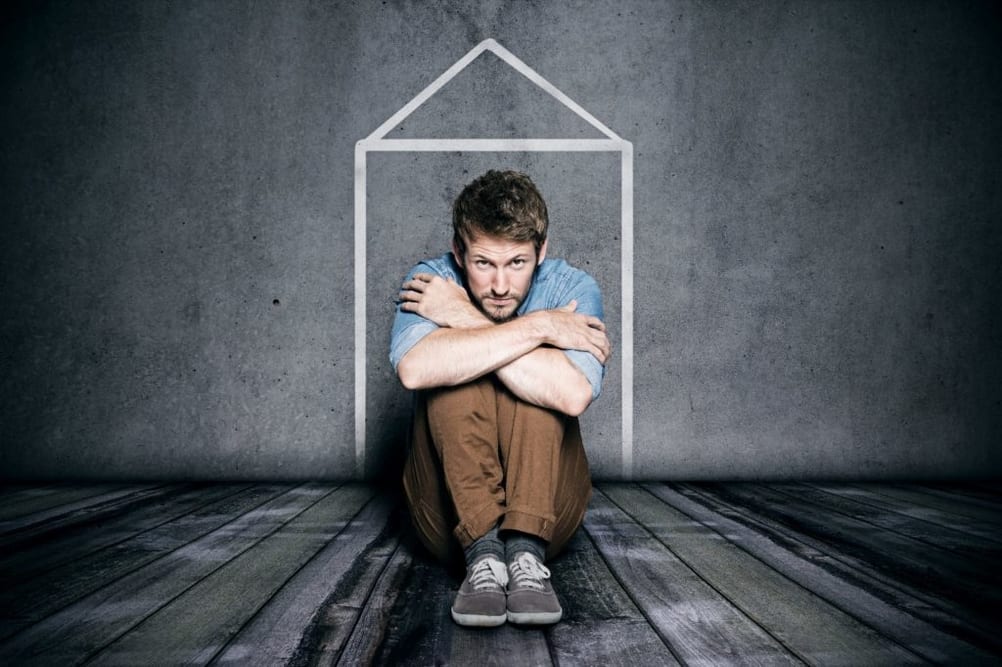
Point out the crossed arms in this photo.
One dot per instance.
(525, 353)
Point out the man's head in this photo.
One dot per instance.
(499, 226)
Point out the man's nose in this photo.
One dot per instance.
(500, 283)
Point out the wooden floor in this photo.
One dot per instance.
(853, 574)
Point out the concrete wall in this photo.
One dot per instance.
(817, 227)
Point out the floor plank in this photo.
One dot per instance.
(321, 574)
(971, 581)
(376, 631)
(88, 625)
(601, 624)
(15, 489)
(695, 620)
(112, 524)
(499, 647)
(324, 639)
(307, 597)
(33, 599)
(75, 510)
(956, 504)
(27, 501)
(921, 506)
(192, 628)
(987, 495)
(846, 582)
(811, 628)
(929, 533)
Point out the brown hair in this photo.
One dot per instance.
(505, 204)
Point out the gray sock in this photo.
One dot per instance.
(488, 545)
(516, 542)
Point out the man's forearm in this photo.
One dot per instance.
(452, 356)
(526, 353)
(547, 378)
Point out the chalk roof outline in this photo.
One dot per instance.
(612, 141)
(377, 141)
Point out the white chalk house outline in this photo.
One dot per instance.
(377, 142)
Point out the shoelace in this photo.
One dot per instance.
(526, 570)
(488, 573)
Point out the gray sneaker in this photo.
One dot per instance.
(480, 601)
(531, 600)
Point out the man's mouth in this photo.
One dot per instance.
(499, 309)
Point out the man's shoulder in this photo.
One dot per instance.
(556, 283)
(443, 265)
(556, 270)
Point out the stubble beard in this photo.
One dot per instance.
(498, 314)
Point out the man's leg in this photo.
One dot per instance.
(547, 482)
(431, 509)
(573, 488)
(547, 489)
(546, 486)
(462, 422)
(453, 483)
(542, 494)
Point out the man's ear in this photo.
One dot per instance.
(457, 254)
(542, 253)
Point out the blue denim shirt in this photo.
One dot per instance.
(555, 284)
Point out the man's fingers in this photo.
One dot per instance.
(418, 282)
(409, 295)
(592, 338)
(584, 332)
(604, 348)
(599, 353)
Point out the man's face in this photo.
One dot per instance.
(499, 273)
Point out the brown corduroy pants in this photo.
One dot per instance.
(480, 455)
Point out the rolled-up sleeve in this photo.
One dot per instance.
(408, 336)
(586, 292)
(408, 328)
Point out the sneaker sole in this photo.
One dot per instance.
(479, 620)
(534, 617)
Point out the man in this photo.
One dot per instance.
(505, 349)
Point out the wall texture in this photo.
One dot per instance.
(818, 211)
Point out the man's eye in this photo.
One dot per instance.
(480, 264)
(517, 262)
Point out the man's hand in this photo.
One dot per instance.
(525, 352)
(442, 301)
(569, 330)
(545, 376)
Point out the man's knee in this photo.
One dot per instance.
(461, 396)
(463, 409)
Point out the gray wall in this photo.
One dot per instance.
(817, 227)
